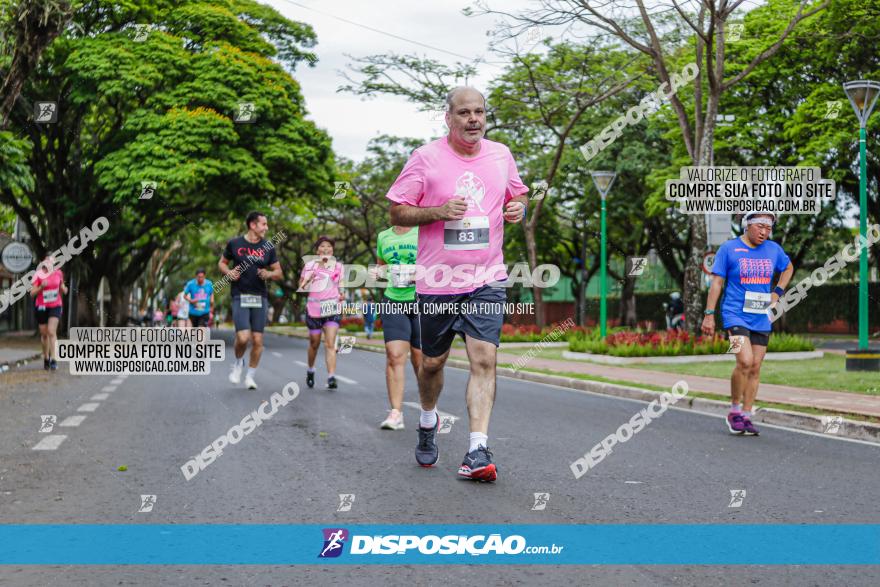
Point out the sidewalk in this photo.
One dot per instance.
(820, 399)
(18, 347)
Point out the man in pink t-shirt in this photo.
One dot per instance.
(460, 190)
(47, 289)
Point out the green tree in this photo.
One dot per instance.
(162, 109)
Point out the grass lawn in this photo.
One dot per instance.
(825, 373)
(692, 393)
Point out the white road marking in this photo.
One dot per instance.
(117, 381)
(277, 354)
(338, 376)
(109, 388)
(88, 407)
(73, 421)
(50, 442)
(634, 482)
(100, 396)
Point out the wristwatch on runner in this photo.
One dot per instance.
(708, 312)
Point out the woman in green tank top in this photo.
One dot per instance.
(396, 250)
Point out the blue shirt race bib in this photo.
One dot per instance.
(749, 275)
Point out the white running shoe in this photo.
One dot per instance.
(249, 382)
(235, 374)
(394, 421)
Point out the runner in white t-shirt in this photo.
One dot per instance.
(460, 190)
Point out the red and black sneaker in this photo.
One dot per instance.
(477, 465)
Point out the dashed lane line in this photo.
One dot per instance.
(51, 442)
(73, 421)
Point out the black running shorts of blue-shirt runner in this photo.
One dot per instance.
(748, 273)
(481, 318)
(250, 297)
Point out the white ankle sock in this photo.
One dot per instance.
(478, 438)
(428, 419)
(251, 371)
(239, 362)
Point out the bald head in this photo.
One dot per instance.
(466, 119)
(462, 93)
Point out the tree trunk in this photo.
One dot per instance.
(36, 26)
(277, 307)
(119, 303)
(693, 273)
(532, 249)
(627, 314)
(87, 302)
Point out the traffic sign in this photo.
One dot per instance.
(17, 257)
(708, 261)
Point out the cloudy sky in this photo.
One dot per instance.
(352, 121)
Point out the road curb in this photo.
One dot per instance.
(842, 427)
(6, 366)
(685, 359)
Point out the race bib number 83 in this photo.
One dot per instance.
(466, 234)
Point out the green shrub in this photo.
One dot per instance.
(788, 343)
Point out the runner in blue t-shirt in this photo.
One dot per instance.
(747, 265)
(199, 292)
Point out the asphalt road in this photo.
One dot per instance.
(679, 469)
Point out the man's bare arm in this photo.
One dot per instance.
(714, 292)
(405, 215)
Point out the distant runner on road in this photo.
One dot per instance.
(460, 190)
(47, 289)
(255, 262)
(745, 265)
(181, 311)
(199, 292)
(320, 278)
(396, 250)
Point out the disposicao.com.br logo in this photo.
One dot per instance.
(431, 544)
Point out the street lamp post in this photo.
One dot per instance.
(603, 181)
(862, 95)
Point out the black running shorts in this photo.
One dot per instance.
(199, 320)
(249, 318)
(46, 313)
(316, 325)
(400, 321)
(478, 314)
(756, 337)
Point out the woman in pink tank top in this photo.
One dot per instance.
(47, 289)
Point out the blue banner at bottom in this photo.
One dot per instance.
(208, 544)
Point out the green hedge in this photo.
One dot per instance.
(837, 301)
(821, 306)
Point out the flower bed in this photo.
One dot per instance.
(633, 343)
(530, 332)
(356, 324)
